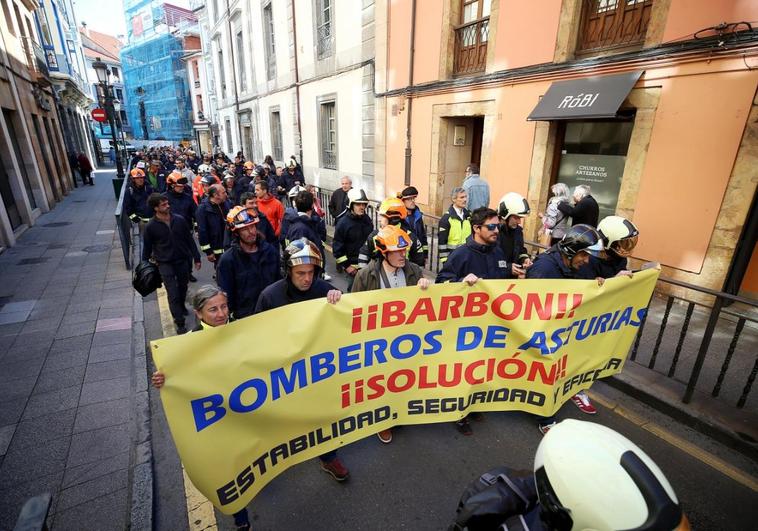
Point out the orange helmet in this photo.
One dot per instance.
(391, 238)
(175, 177)
(393, 208)
(240, 217)
(136, 172)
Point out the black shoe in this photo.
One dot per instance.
(464, 427)
(476, 416)
(192, 278)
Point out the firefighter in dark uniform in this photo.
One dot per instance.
(135, 198)
(350, 234)
(211, 222)
(392, 211)
(511, 210)
(249, 265)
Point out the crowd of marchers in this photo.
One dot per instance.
(262, 228)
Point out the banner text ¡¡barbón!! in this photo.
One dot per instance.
(252, 398)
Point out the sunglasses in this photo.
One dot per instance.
(492, 227)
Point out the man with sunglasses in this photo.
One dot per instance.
(480, 257)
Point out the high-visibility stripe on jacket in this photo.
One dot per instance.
(453, 231)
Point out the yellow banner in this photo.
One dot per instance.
(250, 399)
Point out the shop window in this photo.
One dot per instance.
(594, 154)
(613, 24)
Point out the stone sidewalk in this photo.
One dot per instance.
(73, 402)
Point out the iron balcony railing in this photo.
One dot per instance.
(35, 58)
(708, 347)
(471, 47)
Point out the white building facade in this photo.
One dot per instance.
(294, 77)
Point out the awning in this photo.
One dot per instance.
(591, 97)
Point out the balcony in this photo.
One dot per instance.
(471, 47)
(613, 24)
(35, 60)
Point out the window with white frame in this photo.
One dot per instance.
(328, 132)
(324, 28)
(275, 121)
(268, 37)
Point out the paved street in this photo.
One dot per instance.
(67, 392)
(72, 411)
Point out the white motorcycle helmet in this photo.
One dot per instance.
(589, 477)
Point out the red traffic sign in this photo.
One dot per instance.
(99, 115)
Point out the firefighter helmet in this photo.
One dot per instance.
(513, 204)
(240, 217)
(619, 234)
(391, 238)
(302, 251)
(393, 209)
(175, 178)
(137, 172)
(356, 196)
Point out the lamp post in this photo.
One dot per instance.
(102, 71)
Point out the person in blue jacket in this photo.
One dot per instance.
(566, 259)
(619, 237)
(306, 224)
(479, 257)
(249, 265)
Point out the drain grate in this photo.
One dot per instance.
(97, 248)
(56, 224)
(32, 261)
(57, 246)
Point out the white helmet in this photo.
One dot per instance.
(618, 234)
(590, 477)
(295, 190)
(356, 196)
(513, 204)
(203, 169)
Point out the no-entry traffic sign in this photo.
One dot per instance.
(99, 115)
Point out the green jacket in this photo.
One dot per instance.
(368, 278)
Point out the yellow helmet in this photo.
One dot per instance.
(393, 208)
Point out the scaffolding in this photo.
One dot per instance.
(155, 78)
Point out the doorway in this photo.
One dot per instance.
(462, 146)
(742, 278)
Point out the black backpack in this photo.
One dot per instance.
(497, 497)
(146, 278)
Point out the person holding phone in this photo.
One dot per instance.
(512, 209)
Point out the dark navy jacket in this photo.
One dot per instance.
(599, 267)
(243, 276)
(415, 220)
(284, 292)
(303, 226)
(485, 261)
(349, 236)
(183, 205)
(550, 265)
(211, 226)
(135, 203)
(511, 241)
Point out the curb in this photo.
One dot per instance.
(141, 507)
(731, 428)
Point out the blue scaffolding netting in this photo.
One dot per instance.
(155, 74)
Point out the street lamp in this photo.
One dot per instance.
(103, 73)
